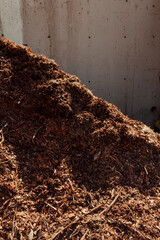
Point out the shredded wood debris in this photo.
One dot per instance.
(72, 166)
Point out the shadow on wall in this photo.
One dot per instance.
(1, 29)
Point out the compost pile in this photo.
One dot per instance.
(72, 166)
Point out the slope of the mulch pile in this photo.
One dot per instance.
(72, 166)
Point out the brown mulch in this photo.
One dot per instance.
(72, 166)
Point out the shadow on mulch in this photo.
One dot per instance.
(41, 145)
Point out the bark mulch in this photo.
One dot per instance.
(72, 166)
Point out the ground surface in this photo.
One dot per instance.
(72, 166)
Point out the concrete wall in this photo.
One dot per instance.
(112, 45)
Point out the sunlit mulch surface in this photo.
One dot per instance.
(72, 165)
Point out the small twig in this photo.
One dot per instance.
(5, 203)
(13, 226)
(64, 228)
(94, 209)
(158, 228)
(34, 135)
(30, 235)
(75, 232)
(116, 160)
(85, 234)
(73, 190)
(112, 203)
(1, 132)
(146, 170)
(52, 207)
(71, 184)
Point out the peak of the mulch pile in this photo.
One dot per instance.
(68, 156)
